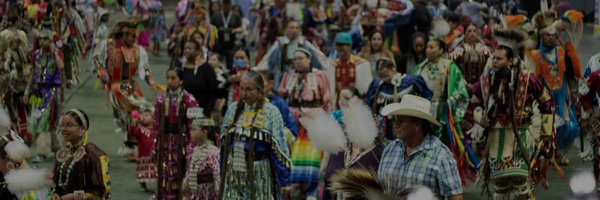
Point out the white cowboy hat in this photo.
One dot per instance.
(413, 106)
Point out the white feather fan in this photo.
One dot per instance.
(324, 132)
(4, 118)
(26, 180)
(359, 123)
(440, 27)
(17, 151)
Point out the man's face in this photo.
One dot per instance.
(344, 49)
(500, 60)
(293, 30)
(404, 126)
(129, 36)
(45, 42)
(549, 39)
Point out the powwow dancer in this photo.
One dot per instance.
(555, 72)
(126, 60)
(14, 70)
(44, 93)
(305, 88)
(171, 121)
(502, 105)
(254, 146)
(18, 180)
(143, 133)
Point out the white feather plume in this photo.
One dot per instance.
(26, 180)
(359, 123)
(441, 27)
(324, 132)
(17, 151)
(4, 118)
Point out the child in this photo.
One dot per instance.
(202, 179)
(141, 130)
(221, 94)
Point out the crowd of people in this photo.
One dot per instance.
(375, 99)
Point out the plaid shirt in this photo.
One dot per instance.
(431, 164)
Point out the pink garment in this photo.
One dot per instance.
(315, 88)
(207, 176)
(144, 38)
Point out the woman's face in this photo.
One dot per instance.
(199, 38)
(376, 41)
(241, 55)
(173, 80)
(433, 50)
(500, 59)
(301, 61)
(190, 50)
(472, 33)
(198, 134)
(71, 130)
(249, 92)
(214, 61)
(419, 45)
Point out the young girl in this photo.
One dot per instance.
(145, 136)
(172, 145)
(215, 60)
(202, 179)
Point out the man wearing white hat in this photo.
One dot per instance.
(417, 157)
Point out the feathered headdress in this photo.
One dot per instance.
(324, 132)
(360, 125)
(543, 21)
(512, 39)
(361, 183)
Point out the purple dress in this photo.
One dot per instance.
(172, 144)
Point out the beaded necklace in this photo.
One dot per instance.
(64, 156)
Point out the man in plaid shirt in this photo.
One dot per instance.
(418, 158)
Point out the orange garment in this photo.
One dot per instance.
(543, 66)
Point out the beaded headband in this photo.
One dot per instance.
(203, 122)
(81, 117)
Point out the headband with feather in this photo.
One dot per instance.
(512, 39)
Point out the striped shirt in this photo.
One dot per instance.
(431, 164)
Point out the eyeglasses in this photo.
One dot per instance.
(296, 59)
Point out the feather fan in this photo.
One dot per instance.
(17, 151)
(359, 123)
(4, 118)
(575, 28)
(26, 180)
(440, 27)
(324, 132)
(359, 183)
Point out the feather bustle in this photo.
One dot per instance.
(360, 125)
(324, 132)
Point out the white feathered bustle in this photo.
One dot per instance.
(360, 125)
(324, 132)
(4, 118)
(26, 180)
(17, 151)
